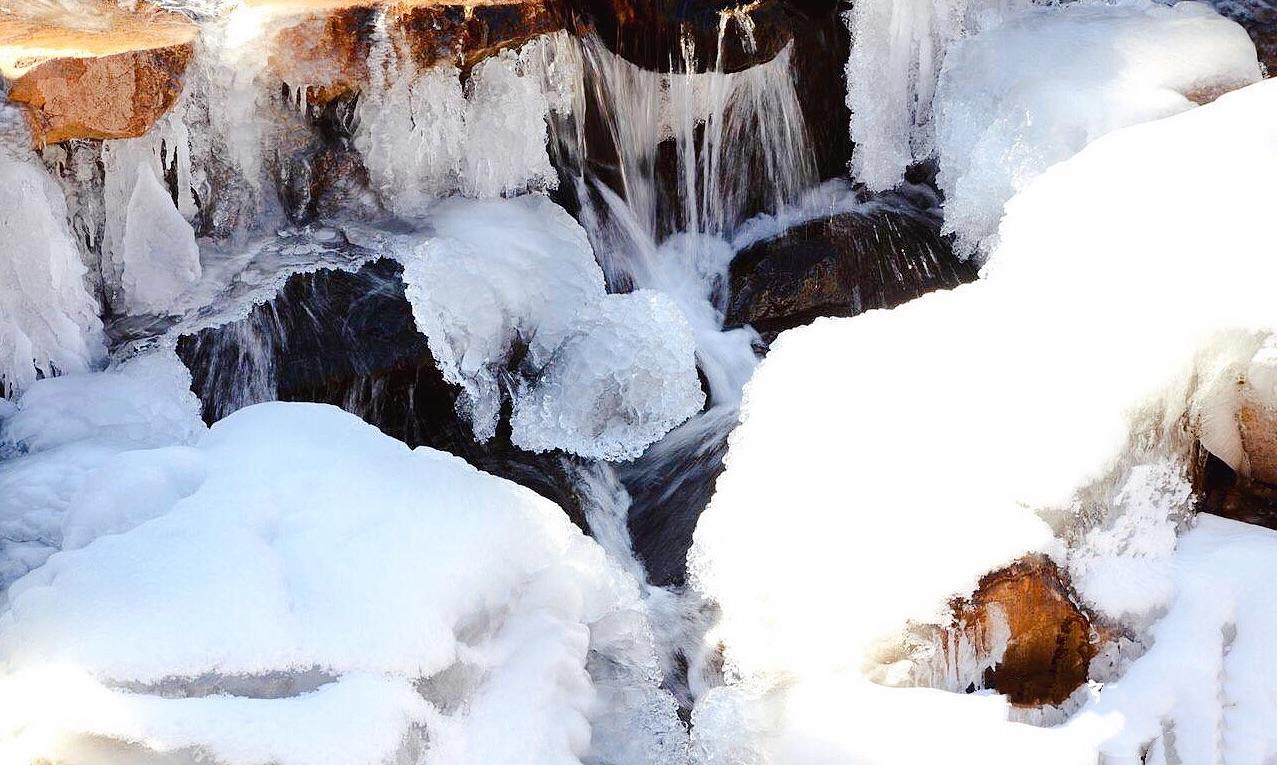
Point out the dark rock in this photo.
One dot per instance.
(652, 33)
(349, 339)
(1221, 491)
(843, 265)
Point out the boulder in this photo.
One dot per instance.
(99, 72)
(350, 339)
(1049, 638)
(841, 265)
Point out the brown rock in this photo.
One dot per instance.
(95, 69)
(327, 53)
(117, 96)
(1051, 640)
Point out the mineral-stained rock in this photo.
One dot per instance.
(117, 96)
(350, 339)
(324, 46)
(1051, 641)
(840, 266)
(94, 69)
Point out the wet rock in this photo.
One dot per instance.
(840, 266)
(349, 339)
(682, 35)
(325, 53)
(1049, 638)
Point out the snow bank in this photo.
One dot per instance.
(1024, 95)
(308, 590)
(64, 430)
(509, 296)
(927, 444)
(48, 319)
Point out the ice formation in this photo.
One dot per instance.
(147, 243)
(267, 634)
(423, 136)
(48, 317)
(511, 284)
(1165, 310)
(1017, 98)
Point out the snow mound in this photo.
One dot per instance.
(1020, 97)
(512, 302)
(48, 319)
(63, 430)
(308, 590)
(928, 449)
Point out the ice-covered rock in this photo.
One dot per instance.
(357, 598)
(1111, 323)
(1015, 99)
(509, 289)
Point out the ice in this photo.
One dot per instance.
(945, 438)
(147, 241)
(896, 54)
(622, 378)
(1017, 98)
(48, 317)
(414, 606)
(512, 303)
(423, 136)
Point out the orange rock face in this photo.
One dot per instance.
(1051, 640)
(116, 96)
(93, 69)
(324, 44)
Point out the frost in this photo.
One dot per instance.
(512, 302)
(441, 609)
(929, 443)
(1022, 96)
(48, 318)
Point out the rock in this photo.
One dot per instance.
(652, 33)
(842, 265)
(1224, 493)
(1051, 641)
(349, 339)
(324, 46)
(98, 72)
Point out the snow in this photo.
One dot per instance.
(64, 430)
(603, 375)
(1020, 97)
(1111, 323)
(48, 318)
(403, 601)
